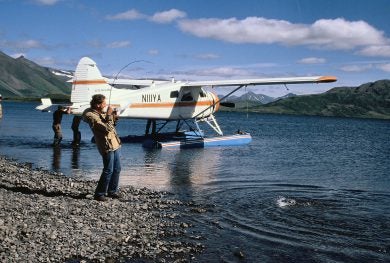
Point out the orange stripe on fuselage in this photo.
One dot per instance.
(87, 82)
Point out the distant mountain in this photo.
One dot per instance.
(252, 97)
(370, 100)
(251, 100)
(22, 78)
(289, 95)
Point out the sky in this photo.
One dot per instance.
(206, 40)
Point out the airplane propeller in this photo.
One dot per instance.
(228, 104)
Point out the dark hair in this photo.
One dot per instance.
(96, 100)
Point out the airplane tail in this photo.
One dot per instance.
(87, 81)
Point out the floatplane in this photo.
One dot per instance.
(188, 104)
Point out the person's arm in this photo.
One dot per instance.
(111, 117)
(97, 123)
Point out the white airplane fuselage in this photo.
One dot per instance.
(157, 100)
(167, 101)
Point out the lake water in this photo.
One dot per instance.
(306, 189)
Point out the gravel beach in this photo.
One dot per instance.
(48, 217)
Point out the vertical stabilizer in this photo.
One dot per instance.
(87, 81)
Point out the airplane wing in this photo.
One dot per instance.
(221, 83)
(265, 81)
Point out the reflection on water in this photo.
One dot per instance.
(56, 164)
(193, 170)
(57, 157)
(75, 157)
(171, 170)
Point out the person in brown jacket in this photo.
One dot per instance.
(108, 143)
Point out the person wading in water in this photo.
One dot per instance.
(57, 118)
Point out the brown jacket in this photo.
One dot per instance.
(103, 129)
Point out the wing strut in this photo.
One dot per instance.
(212, 122)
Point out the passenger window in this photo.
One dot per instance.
(202, 94)
(174, 94)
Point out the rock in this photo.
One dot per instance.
(238, 253)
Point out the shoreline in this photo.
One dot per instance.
(47, 217)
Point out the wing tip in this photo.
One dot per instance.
(327, 79)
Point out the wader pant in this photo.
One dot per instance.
(75, 129)
(57, 134)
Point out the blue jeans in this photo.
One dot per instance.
(109, 179)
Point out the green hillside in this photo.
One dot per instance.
(370, 100)
(21, 78)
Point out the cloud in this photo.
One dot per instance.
(384, 67)
(153, 52)
(131, 14)
(312, 60)
(28, 44)
(221, 72)
(356, 68)
(95, 43)
(163, 17)
(207, 56)
(337, 33)
(167, 16)
(376, 51)
(45, 61)
(119, 44)
(46, 2)
(22, 45)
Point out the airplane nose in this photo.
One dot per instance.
(215, 102)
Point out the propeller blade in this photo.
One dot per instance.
(228, 104)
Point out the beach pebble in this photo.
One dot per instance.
(47, 217)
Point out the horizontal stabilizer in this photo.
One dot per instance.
(46, 103)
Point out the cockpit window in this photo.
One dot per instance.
(187, 97)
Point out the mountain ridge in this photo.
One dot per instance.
(369, 100)
(23, 78)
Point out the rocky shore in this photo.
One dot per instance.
(47, 217)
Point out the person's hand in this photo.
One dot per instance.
(109, 110)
